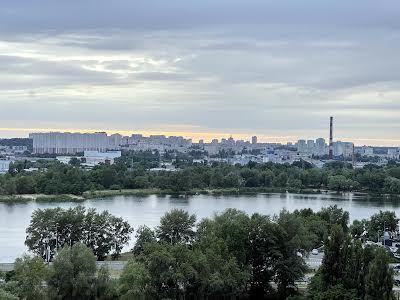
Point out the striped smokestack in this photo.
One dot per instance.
(331, 139)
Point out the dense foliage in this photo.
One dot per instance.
(52, 229)
(132, 172)
(350, 271)
(231, 255)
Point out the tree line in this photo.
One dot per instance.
(55, 178)
(230, 255)
(51, 229)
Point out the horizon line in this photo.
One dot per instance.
(204, 135)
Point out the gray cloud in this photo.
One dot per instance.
(266, 67)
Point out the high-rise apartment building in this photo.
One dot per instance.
(69, 143)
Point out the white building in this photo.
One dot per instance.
(393, 153)
(94, 158)
(367, 151)
(320, 147)
(4, 166)
(68, 143)
(302, 146)
(343, 148)
(310, 146)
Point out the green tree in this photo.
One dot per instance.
(75, 162)
(261, 248)
(5, 295)
(120, 232)
(171, 269)
(25, 185)
(230, 229)
(107, 289)
(30, 273)
(288, 265)
(333, 215)
(134, 282)
(53, 228)
(176, 226)
(337, 292)
(143, 236)
(340, 183)
(384, 220)
(72, 275)
(333, 263)
(358, 228)
(379, 280)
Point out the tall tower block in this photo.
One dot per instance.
(331, 139)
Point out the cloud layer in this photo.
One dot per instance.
(272, 68)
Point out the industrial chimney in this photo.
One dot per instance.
(331, 139)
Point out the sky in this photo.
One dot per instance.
(210, 68)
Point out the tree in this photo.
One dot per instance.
(358, 228)
(379, 280)
(337, 292)
(340, 183)
(261, 248)
(53, 228)
(143, 236)
(30, 272)
(25, 185)
(75, 162)
(333, 263)
(120, 232)
(171, 269)
(176, 226)
(42, 232)
(384, 220)
(230, 229)
(134, 282)
(107, 289)
(333, 215)
(292, 236)
(72, 275)
(4, 295)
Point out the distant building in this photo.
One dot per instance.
(115, 141)
(68, 143)
(320, 147)
(393, 153)
(343, 149)
(367, 151)
(94, 158)
(302, 146)
(4, 166)
(254, 140)
(310, 146)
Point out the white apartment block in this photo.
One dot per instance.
(68, 143)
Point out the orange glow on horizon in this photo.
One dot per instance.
(196, 136)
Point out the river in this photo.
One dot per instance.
(138, 210)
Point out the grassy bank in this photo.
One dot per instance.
(40, 198)
(227, 191)
(101, 194)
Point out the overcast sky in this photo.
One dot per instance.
(277, 69)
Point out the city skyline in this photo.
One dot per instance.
(207, 137)
(206, 68)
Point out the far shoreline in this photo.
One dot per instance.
(101, 194)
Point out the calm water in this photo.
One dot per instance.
(14, 218)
